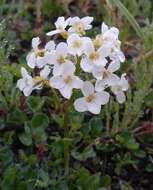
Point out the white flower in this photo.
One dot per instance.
(39, 81)
(76, 44)
(39, 57)
(116, 54)
(105, 76)
(44, 73)
(92, 100)
(61, 25)
(80, 25)
(93, 57)
(110, 36)
(26, 83)
(119, 88)
(66, 81)
(59, 58)
(109, 33)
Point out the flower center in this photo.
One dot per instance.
(93, 56)
(119, 88)
(79, 28)
(105, 74)
(97, 41)
(61, 59)
(68, 79)
(37, 80)
(64, 34)
(40, 52)
(77, 44)
(90, 98)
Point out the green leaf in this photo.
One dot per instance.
(39, 135)
(40, 120)
(126, 186)
(26, 137)
(106, 181)
(127, 140)
(129, 17)
(35, 103)
(95, 126)
(87, 153)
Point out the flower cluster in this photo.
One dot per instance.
(79, 62)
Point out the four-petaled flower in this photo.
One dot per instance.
(92, 100)
(93, 57)
(80, 25)
(39, 57)
(25, 84)
(61, 25)
(66, 81)
(119, 87)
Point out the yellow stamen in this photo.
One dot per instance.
(65, 34)
(68, 79)
(61, 59)
(40, 52)
(97, 41)
(94, 56)
(77, 44)
(79, 28)
(105, 74)
(90, 98)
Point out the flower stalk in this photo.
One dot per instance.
(66, 135)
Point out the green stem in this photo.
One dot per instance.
(66, 134)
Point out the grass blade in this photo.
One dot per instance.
(129, 17)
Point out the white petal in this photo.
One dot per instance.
(61, 23)
(62, 48)
(31, 60)
(27, 91)
(21, 84)
(100, 62)
(50, 57)
(100, 85)
(104, 51)
(66, 91)
(98, 72)
(68, 68)
(24, 72)
(112, 79)
(35, 43)
(121, 56)
(104, 28)
(94, 107)
(45, 72)
(58, 69)
(50, 46)
(87, 88)
(80, 105)
(40, 62)
(89, 47)
(73, 20)
(53, 32)
(86, 65)
(114, 31)
(124, 83)
(102, 97)
(120, 97)
(77, 82)
(56, 82)
(87, 20)
(114, 66)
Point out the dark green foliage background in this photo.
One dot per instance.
(111, 151)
